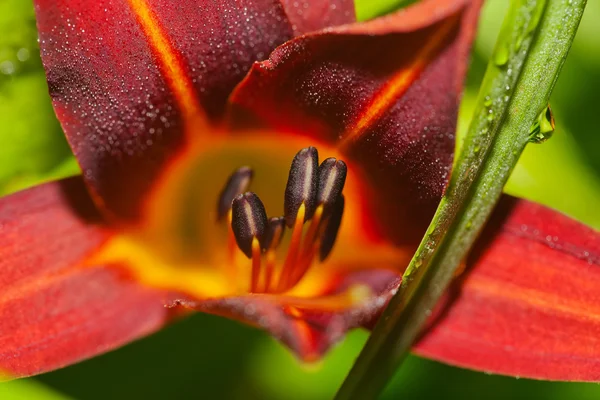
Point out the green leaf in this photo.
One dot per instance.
(28, 389)
(532, 47)
(32, 145)
(369, 9)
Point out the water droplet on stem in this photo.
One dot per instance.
(543, 128)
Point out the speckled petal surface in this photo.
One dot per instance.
(133, 80)
(385, 92)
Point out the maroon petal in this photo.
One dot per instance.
(385, 92)
(55, 309)
(133, 80)
(312, 15)
(308, 330)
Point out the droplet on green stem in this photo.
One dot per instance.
(501, 55)
(531, 25)
(543, 128)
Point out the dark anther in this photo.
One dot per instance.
(332, 177)
(274, 233)
(237, 184)
(302, 185)
(331, 230)
(249, 221)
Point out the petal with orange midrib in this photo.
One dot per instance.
(133, 80)
(386, 92)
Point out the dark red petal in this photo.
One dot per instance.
(312, 15)
(132, 80)
(308, 332)
(529, 305)
(386, 91)
(55, 311)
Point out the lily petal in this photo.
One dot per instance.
(54, 310)
(133, 80)
(385, 92)
(528, 304)
(313, 15)
(309, 327)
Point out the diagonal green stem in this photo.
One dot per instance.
(532, 47)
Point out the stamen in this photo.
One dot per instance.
(331, 229)
(238, 183)
(302, 185)
(332, 177)
(273, 236)
(270, 269)
(311, 235)
(313, 193)
(308, 247)
(294, 248)
(274, 233)
(249, 221)
(231, 249)
(256, 253)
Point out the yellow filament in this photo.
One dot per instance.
(309, 246)
(294, 249)
(255, 265)
(270, 269)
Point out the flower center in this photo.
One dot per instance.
(205, 236)
(313, 209)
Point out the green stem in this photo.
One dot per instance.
(532, 47)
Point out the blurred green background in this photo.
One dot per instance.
(206, 357)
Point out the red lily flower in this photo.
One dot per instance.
(171, 110)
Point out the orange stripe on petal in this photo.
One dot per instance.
(546, 302)
(397, 85)
(132, 80)
(386, 91)
(173, 67)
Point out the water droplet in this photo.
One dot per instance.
(501, 55)
(535, 17)
(531, 25)
(543, 128)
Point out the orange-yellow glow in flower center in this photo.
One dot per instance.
(206, 235)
